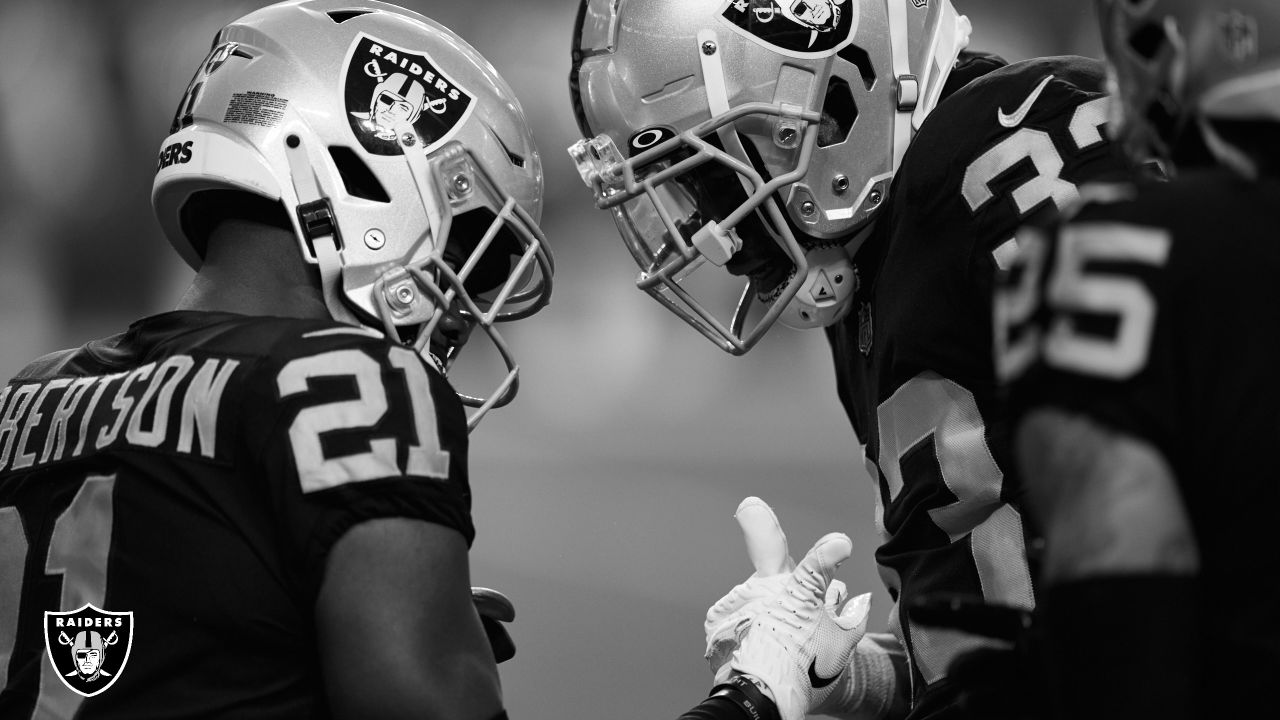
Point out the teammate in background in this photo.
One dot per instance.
(1141, 337)
(271, 481)
(869, 179)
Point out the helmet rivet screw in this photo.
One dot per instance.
(409, 140)
(808, 208)
(708, 48)
(875, 197)
(404, 294)
(840, 184)
(461, 184)
(786, 135)
(375, 239)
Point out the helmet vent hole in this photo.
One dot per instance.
(1147, 40)
(356, 175)
(838, 113)
(861, 60)
(515, 158)
(341, 16)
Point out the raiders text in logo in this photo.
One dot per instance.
(175, 154)
(799, 28)
(385, 86)
(88, 647)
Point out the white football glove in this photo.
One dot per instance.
(870, 687)
(798, 645)
(730, 616)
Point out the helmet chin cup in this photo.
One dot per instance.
(826, 292)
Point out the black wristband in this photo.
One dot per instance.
(737, 699)
(749, 697)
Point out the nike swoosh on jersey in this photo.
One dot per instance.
(818, 682)
(1014, 119)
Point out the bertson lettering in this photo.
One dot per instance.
(167, 405)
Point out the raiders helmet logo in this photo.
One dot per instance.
(385, 86)
(800, 28)
(88, 647)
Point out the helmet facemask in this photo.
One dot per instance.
(427, 300)
(685, 203)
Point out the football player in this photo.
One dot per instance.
(272, 479)
(869, 180)
(1140, 335)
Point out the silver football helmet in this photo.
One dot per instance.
(401, 157)
(756, 135)
(1178, 65)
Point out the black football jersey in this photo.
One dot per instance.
(195, 471)
(913, 358)
(1156, 312)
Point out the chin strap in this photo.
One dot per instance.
(918, 95)
(319, 230)
(949, 38)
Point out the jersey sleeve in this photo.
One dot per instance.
(344, 427)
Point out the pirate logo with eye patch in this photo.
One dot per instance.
(799, 28)
(88, 647)
(386, 87)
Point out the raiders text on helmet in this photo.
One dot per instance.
(402, 158)
(753, 134)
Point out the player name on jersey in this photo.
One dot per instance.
(170, 405)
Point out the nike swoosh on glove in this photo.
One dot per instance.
(798, 640)
(731, 615)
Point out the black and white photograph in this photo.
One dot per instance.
(639, 359)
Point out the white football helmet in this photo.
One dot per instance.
(1183, 66)
(403, 160)
(756, 135)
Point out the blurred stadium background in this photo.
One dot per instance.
(604, 496)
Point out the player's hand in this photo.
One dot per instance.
(798, 643)
(495, 609)
(1002, 681)
(730, 616)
